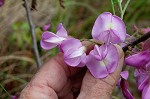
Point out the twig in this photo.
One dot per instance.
(137, 41)
(61, 2)
(32, 29)
(33, 5)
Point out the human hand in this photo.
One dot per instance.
(56, 80)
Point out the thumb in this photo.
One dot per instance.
(93, 88)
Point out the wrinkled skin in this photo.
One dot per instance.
(56, 80)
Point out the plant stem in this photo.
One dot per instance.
(32, 29)
(4, 89)
(137, 41)
(120, 7)
(113, 9)
(124, 9)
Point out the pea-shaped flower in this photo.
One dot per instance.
(124, 85)
(74, 52)
(109, 28)
(50, 40)
(102, 60)
(142, 58)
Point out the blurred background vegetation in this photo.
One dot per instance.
(17, 64)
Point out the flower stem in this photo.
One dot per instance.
(120, 7)
(124, 9)
(112, 4)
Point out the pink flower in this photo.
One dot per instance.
(109, 28)
(14, 97)
(143, 81)
(50, 40)
(125, 91)
(74, 52)
(124, 86)
(102, 60)
(46, 27)
(145, 30)
(141, 62)
(2, 2)
(138, 60)
(146, 45)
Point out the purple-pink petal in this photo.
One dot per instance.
(145, 30)
(70, 43)
(46, 45)
(119, 27)
(74, 52)
(148, 66)
(46, 27)
(2, 2)
(146, 92)
(14, 97)
(99, 52)
(125, 91)
(97, 68)
(146, 45)
(112, 58)
(61, 31)
(73, 61)
(50, 40)
(141, 78)
(124, 74)
(107, 25)
(138, 60)
(101, 68)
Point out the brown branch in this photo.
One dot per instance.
(33, 5)
(61, 2)
(32, 29)
(137, 41)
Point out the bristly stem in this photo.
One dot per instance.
(112, 4)
(32, 29)
(137, 41)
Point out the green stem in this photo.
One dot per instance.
(121, 11)
(124, 9)
(5, 90)
(113, 9)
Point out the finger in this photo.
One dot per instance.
(53, 78)
(93, 88)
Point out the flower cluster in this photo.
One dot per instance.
(141, 62)
(102, 60)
